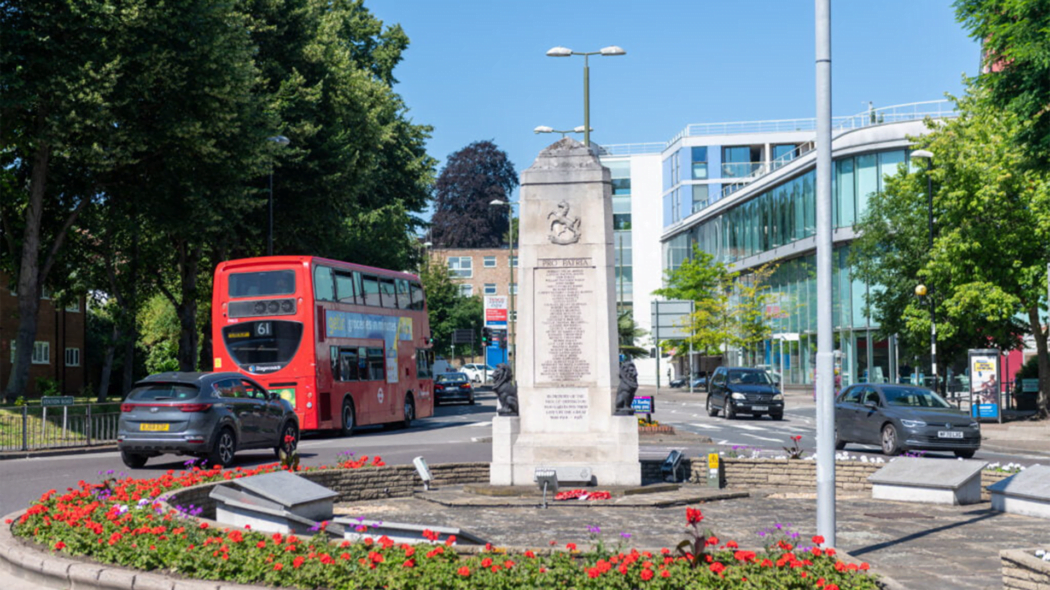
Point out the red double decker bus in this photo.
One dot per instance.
(346, 344)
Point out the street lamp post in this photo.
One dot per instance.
(511, 357)
(928, 156)
(610, 51)
(281, 141)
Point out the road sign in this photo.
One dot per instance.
(56, 400)
(670, 319)
(463, 336)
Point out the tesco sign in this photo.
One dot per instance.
(496, 310)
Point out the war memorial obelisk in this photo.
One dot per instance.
(566, 366)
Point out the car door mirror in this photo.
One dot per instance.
(872, 405)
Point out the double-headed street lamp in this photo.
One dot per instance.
(609, 51)
(510, 287)
(281, 141)
(564, 132)
(922, 290)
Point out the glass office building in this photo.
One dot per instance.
(746, 193)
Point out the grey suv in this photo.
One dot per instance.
(209, 415)
(742, 390)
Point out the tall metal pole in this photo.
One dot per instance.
(619, 304)
(929, 295)
(511, 320)
(269, 238)
(586, 101)
(825, 340)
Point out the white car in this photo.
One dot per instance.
(478, 373)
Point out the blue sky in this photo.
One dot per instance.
(477, 69)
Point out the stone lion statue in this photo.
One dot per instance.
(625, 392)
(506, 391)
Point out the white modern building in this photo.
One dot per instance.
(746, 193)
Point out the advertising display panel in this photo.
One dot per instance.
(985, 398)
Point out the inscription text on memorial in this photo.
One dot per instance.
(563, 297)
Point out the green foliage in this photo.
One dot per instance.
(160, 335)
(628, 333)
(46, 386)
(987, 267)
(709, 284)
(1013, 34)
(751, 316)
(447, 309)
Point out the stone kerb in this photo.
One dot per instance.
(1022, 570)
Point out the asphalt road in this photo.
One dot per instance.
(459, 433)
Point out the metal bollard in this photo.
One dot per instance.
(87, 426)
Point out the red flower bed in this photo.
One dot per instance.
(121, 521)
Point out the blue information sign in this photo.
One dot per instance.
(643, 405)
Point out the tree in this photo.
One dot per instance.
(1015, 44)
(472, 178)
(987, 268)
(628, 333)
(447, 309)
(708, 284)
(57, 72)
(751, 309)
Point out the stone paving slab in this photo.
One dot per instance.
(932, 547)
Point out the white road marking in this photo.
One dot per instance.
(764, 438)
(489, 423)
(705, 426)
(750, 427)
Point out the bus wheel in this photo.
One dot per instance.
(348, 417)
(410, 411)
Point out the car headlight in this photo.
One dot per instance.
(975, 424)
(739, 396)
(778, 397)
(913, 423)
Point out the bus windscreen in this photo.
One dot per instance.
(261, 284)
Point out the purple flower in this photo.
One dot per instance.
(625, 535)
(594, 530)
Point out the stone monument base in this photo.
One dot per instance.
(611, 455)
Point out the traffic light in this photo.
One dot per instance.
(486, 336)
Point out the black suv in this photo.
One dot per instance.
(742, 390)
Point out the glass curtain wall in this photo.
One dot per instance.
(622, 235)
(780, 216)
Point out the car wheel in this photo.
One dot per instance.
(349, 417)
(778, 416)
(133, 460)
(223, 449)
(890, 443)
(410, 411)
(839, 443)
(730, 413)
(471, 402)
(288, 430)
(711, 410)
(964, 454)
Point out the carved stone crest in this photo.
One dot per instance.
(506, 391)
(565, 228)
(625, 392)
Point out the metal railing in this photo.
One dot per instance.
(28, 428)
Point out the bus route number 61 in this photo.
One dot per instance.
(264, 329)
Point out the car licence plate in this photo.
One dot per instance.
(949, 434)
(759, 408)
(154, 427)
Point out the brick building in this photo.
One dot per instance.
(481, 272)
(59, 350)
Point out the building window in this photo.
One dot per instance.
(466, 290)
(513, 288)
(490, 288)
(41, 352)
(45, 293)
(72, 357)
(700, 163)
(700, 195)
(514, 316)
(489, 262)
(514, 262)
(74, 307)
(461, 267)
